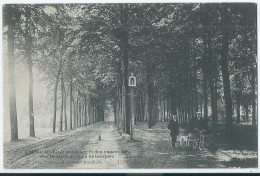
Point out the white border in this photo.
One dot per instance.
(227, 170)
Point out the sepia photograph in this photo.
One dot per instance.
(129, 86)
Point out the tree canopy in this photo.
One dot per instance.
(188, 58)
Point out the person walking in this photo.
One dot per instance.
(174, 127)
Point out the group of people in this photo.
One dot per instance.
(197, 122)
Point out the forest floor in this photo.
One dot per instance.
(101, 146)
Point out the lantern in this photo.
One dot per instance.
(132, 80)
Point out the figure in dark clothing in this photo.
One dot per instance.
(195, 123)
(200, 124)
(174, 127)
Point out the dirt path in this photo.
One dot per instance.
(74, 149)
(104, 153)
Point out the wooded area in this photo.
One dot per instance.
(187, 58)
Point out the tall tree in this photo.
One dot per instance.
(124, 67)
(11, 14)
(224, 67)
(62, 101)
(28, 46)
(71, 97)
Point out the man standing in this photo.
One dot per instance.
(174, 127)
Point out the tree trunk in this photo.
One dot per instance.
(225, 72)
(75, 114)
(86, 110)
(79, 115)
(209, 69)
(29, 62)
(195, 89)
(123, 110)
(83, 115)
(61, 105)
(124, 47)
(76, 110)
(11, 79)
(94, 111)
(118, 105)
(213, 99)
(65, 110)
(55, 97)
(168, 105)
(164, 109)
(205, 96)
(150, 96)
(31, 114)
(150, 116)
(71, 97)
(160, 113)
(143, 106)
(238, 102)
(238, 112)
